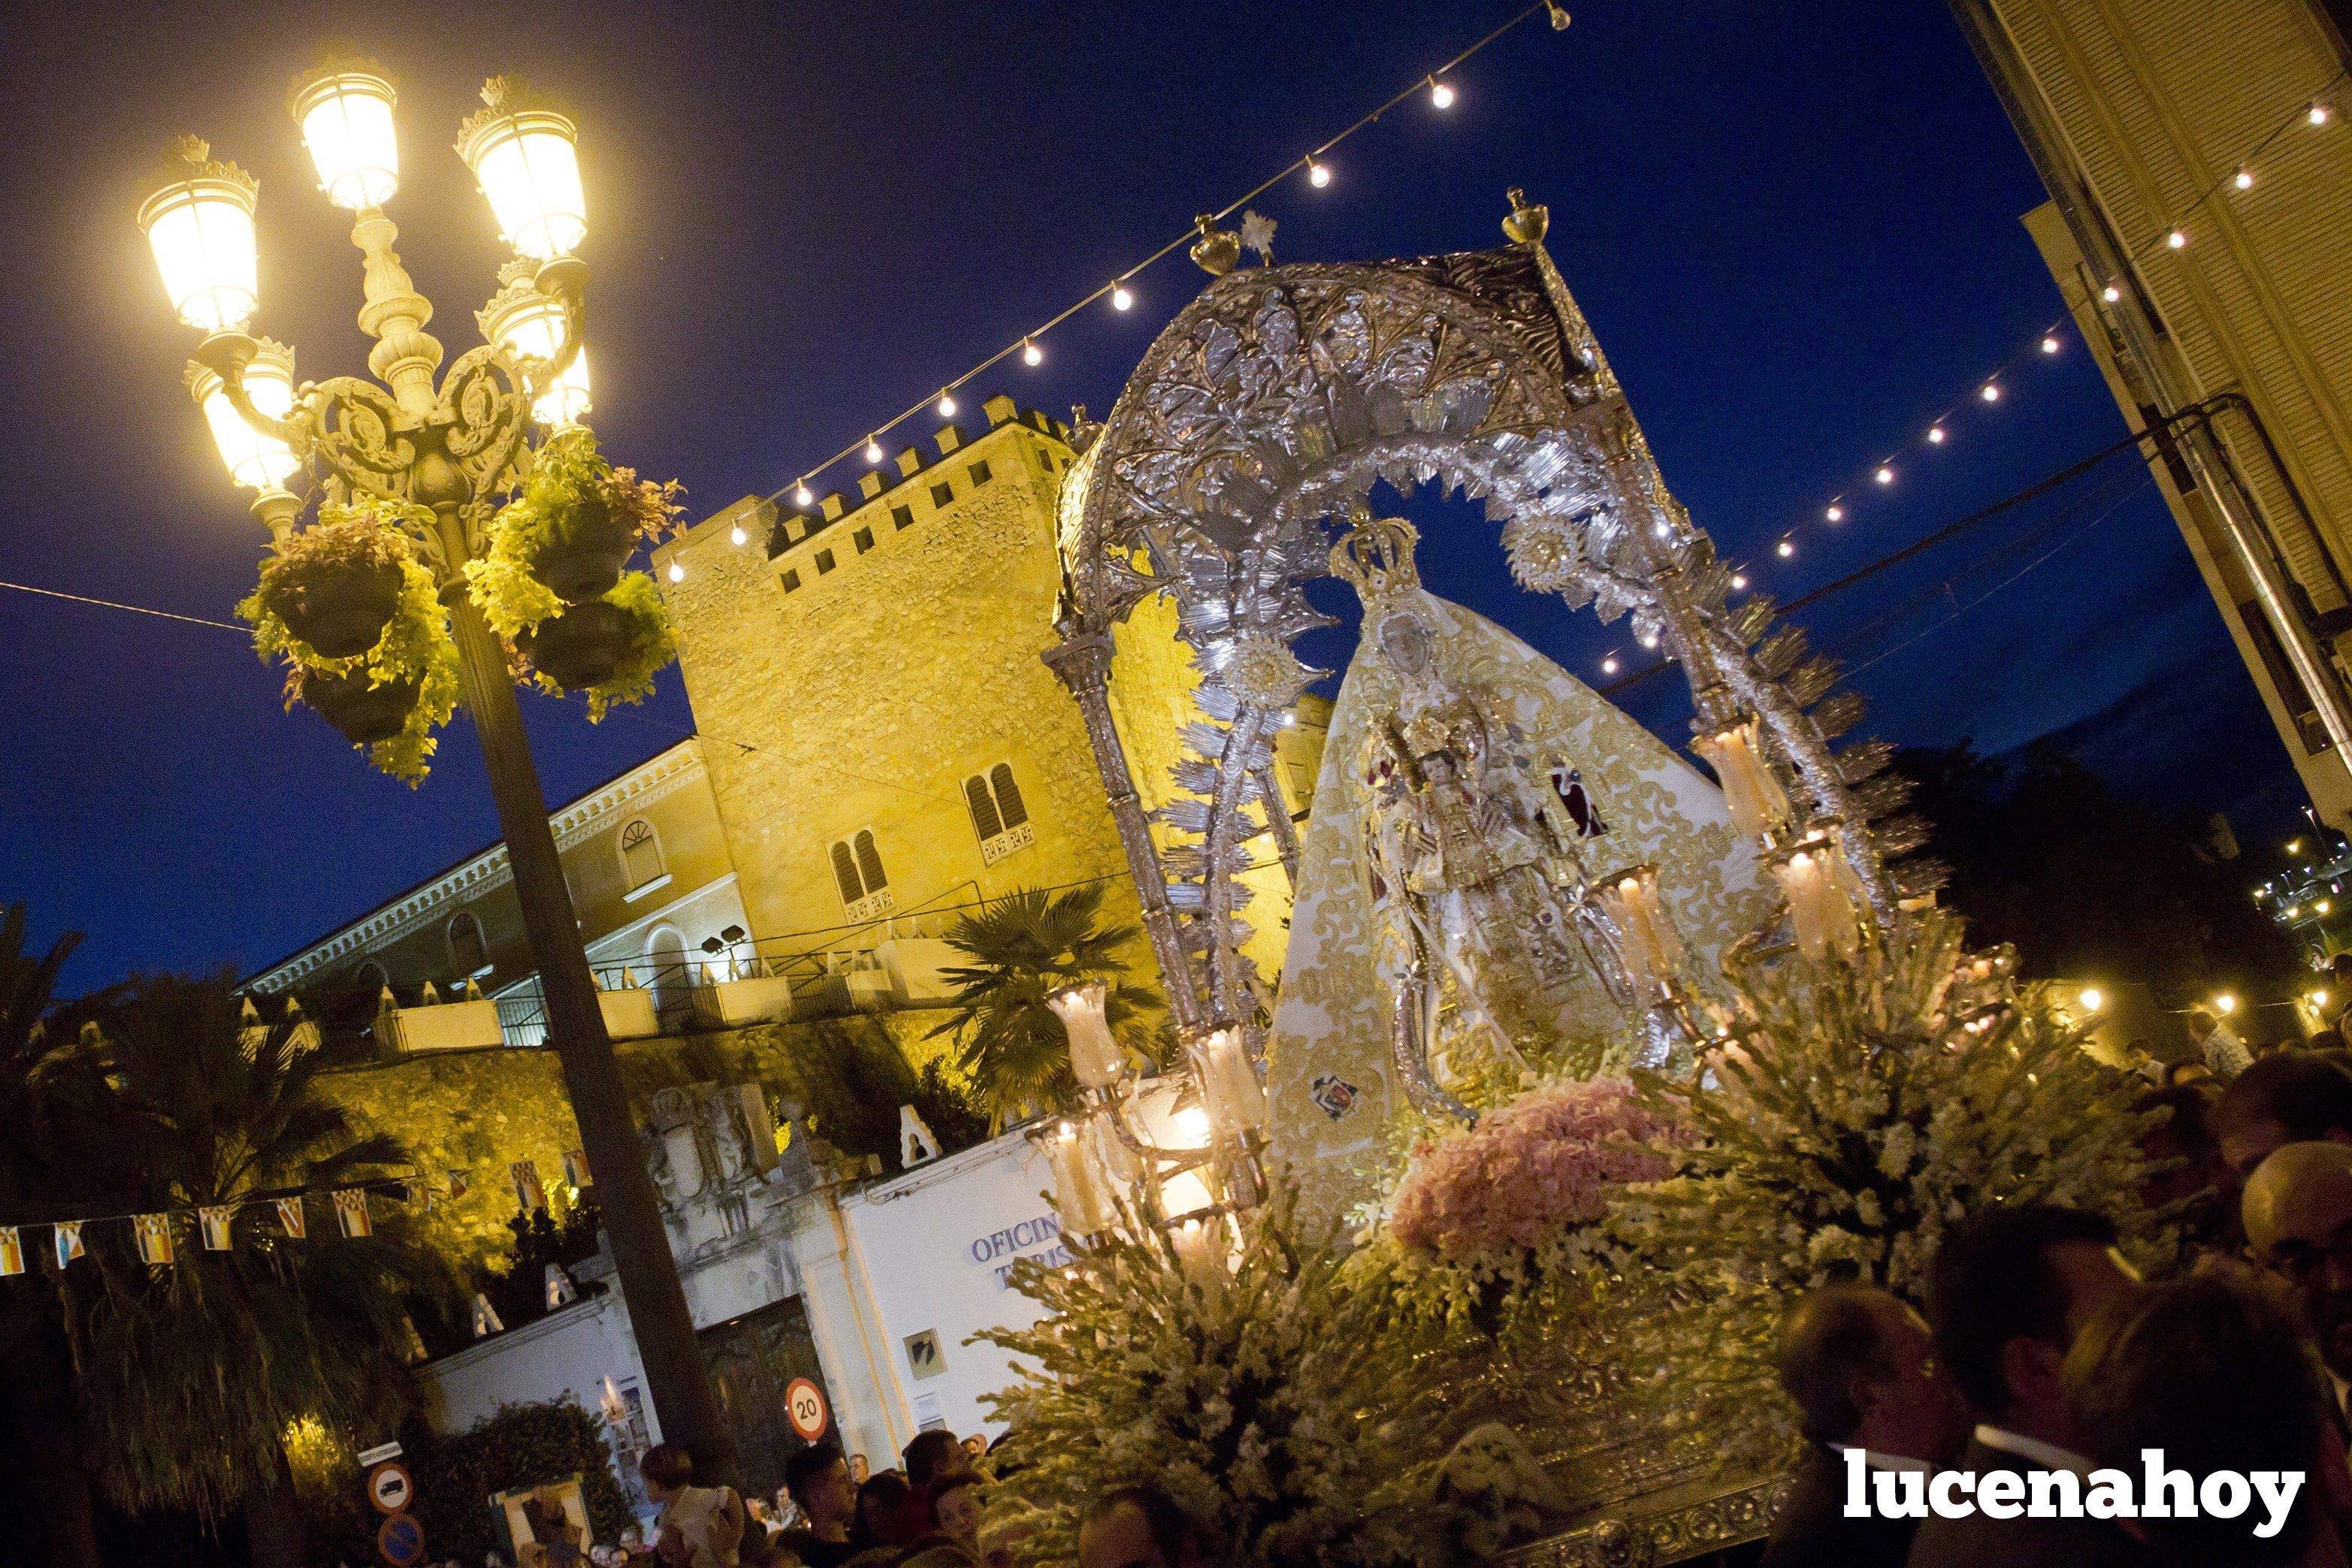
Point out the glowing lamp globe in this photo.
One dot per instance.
(254, 459)
(527, 162)
(346, 119)
(200, 228)
(530, 325)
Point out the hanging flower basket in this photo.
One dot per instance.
(610, 648)
(580, 648)
(394, 690)
(335, 584)
(574, 524)
(352, 701)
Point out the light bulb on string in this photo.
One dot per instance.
(801, 496)
(1119, 297)
(947, 405)
(678, 571)
(2317, 114)
(1609, 665)
(1031, 354)
(1785, 549)
(736, 534)
(1648, 638)
(1836, 514)
(1319, 175)
(1989, 392)
(1886, 476)
(1740, 582)
(2176, 239)
(2050, 344)
(872, 450)
(1936, 436)
(2243, 179)
(1441, 94)
(2111, 294)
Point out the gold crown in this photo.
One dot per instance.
(1376, 555)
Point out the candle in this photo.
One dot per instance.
(1757, 804)
(1076, 1196)
(1820, 903)
(1200, 1243)
(1095, 1056)
(1652, 949)
(1229, 1085)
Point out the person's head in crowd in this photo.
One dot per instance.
(2202, 1025)
(938, 1554)
(2292, 1097)
(667, 1469)
(2186, 1072)
(818, 1480)
(2339, 974)
(2010, 1288)
(1138, 1527)
(1860, 1366)
(2212, 1369)
(955, 1505)
(975, 1444)
(2298, 1215)
(879, 1503)
(859, 1469)
(930, 1455)
(2180, 1148)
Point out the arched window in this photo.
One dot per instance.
(857, 872)
(641, 857)
(1009, 804)
(999, 815)
(985, 821)
(468, 954)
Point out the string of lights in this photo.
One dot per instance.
(1989, 390)
(1316, 165)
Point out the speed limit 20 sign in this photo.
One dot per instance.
(805, 1408)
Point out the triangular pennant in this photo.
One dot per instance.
(290, 1216)
(214, 1217)
(528, 1194)
(153, 1232)
(485, 1317)
(576, 1168)
(68, 1241)
(12, 1252)
(352, 1212)
(560, 1292)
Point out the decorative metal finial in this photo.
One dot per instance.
(1258, 235)
(1217, 250)
(1529, 220)
(193, 148)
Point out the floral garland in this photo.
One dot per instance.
(415, 644)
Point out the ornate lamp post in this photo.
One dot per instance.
(453, 448)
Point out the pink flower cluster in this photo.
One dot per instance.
(1544, 1161)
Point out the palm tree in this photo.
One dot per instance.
(1023, 947)
(189, 1375)
(35, 1056)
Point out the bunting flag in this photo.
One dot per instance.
(352, 1212)
(576, 1168)
(485, 1317)
(459, 1185)
(154, 1234)
(528, 1193)
(12, 1252)
(290, 1216)
(214, 1219)
(560, 1292)
(69, 1239)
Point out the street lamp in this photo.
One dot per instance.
(451, 450)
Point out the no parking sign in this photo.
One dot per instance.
(401, 1540)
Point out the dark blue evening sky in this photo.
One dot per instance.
(1795, 229)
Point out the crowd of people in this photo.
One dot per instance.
(925, 1514)
(2044, 1359)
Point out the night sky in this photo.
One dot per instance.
(1795, 230)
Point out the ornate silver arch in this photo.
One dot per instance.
(1266, 410)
